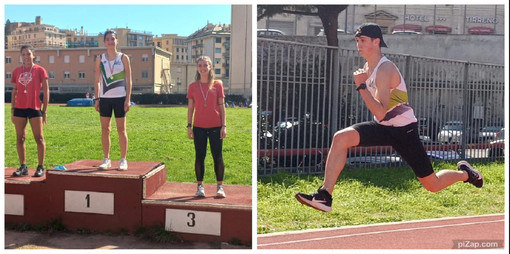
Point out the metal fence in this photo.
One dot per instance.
(306, 94)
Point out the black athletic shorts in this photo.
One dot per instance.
(405, 140)
(107, 105)
(27, 113)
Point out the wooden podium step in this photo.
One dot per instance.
(86, 197)
(201, 219)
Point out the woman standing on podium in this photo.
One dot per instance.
(206, 110)
(112, 90)
(28, 81)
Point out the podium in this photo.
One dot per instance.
(86, 197)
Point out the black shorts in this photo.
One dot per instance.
(405, 140)
(27, 113)
(107, 105)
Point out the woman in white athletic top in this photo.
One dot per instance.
(113, 93)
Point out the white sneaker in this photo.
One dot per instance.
(220, 193)
(105, 164)
(200, 191)
(123, 164)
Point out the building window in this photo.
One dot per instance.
(51, 59)
(218, 50)
(145, 58)
(217, 71)
(145, 74)
(81, 75)
(217, 60)
(218, 40)
(82, 59)
(51, 75)
(67, 75)
(8, 60)
(177, 49)
(67, 59)
(8, 75)
(37, 60)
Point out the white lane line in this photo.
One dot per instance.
(377, 232)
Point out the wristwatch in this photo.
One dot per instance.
(189, 125)
(361, 86)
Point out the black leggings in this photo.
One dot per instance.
(200, 139)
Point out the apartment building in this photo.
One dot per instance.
(36, 34)
(79, 39)
(130, 38)
(212, 41)
(175, 44)
(73, 70)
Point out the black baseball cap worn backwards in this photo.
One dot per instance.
(371, 30)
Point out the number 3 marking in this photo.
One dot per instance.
(192, 217)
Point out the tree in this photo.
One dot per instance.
(327, 13)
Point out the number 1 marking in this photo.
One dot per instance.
(88, 200)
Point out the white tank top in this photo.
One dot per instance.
(113, 83)
(398, 112)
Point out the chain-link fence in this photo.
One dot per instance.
(306, 94)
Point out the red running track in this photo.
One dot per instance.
(444, 233)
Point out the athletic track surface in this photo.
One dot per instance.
(444, 233)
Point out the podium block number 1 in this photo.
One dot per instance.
(89, 202)
(194, 222)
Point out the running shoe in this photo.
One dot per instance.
(474, 177)
(220, 193)
(123, 164)
(105, 164)
(320, 200)
(22, 170)
(39, 171)
(200, 191)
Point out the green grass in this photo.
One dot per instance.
(367, 196)
(155, 134)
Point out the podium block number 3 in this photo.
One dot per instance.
(194, 222)
(89, 202)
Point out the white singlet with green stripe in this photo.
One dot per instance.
(398, 112)
(113, 83)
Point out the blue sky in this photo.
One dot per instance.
(157, 19)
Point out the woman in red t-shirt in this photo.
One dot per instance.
(206, 107)
(28, 81)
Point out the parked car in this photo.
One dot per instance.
(497, 146)
(427, 128)
(269, 32)
(405, 32)
(338, 32)
(451, 132)
(488, 133)
(439, 155)
(374, 159)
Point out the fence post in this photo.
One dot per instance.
(465, 112)
(336, 81)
